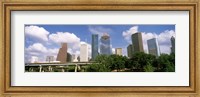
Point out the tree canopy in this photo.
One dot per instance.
(140, 62)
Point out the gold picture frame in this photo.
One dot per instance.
(119, 5)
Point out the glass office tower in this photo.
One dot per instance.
(130, 50)
(95, 46)
(105, 44)
(153, 47)
(137, 42)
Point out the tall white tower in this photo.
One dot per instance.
(84, 52)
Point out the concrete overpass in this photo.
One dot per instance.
(52, 65)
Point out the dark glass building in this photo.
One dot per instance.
(69, 57)
(173, 44)
(130, 50)
(137, 42)
(95, 45)
(105, 45)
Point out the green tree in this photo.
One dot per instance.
(166, 63)
(172, 58)
(102, 64)
(117, 62)
(141, 59)
(97, 68)
(149, 68)
(169, 67)
(106, 63)
(71, 68)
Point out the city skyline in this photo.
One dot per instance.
(47, 43)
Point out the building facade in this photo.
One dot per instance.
(50, 59)
(137, 42)
(153, 47)
(84, 53)
(95, 45)
(105, 44)
(69, 57)
(130, 50)
(118, 51)
(62, 54)
(173, 44)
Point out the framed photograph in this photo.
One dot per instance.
(95, 48)
(100, 48)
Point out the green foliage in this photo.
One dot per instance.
(55, 70)
(117, 62)
(104, 62)
(149, 68)
(97, 68)
(169, 67)
(107, 63)
(71, 68)
(166, 63)
(141, 59)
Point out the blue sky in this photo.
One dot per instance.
(46, 38)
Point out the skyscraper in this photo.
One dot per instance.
(84, 53)
(62, 54)
(118, 51)
(105, 44)
(130, 50)
(137, 42)
(94, 46)
(69, 57)
(153, 47)
(49, 59)
(173, 44)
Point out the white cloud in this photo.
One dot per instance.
(163, 40)
(165, 49)
(127, 34)
(36, 32)
(145, 37)
(37, 47)
(164, 37)
(39, 50)
(61, 37)
(71, 39)
(77, 52)
(99, 30)
(69, 50)
(113, 50)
